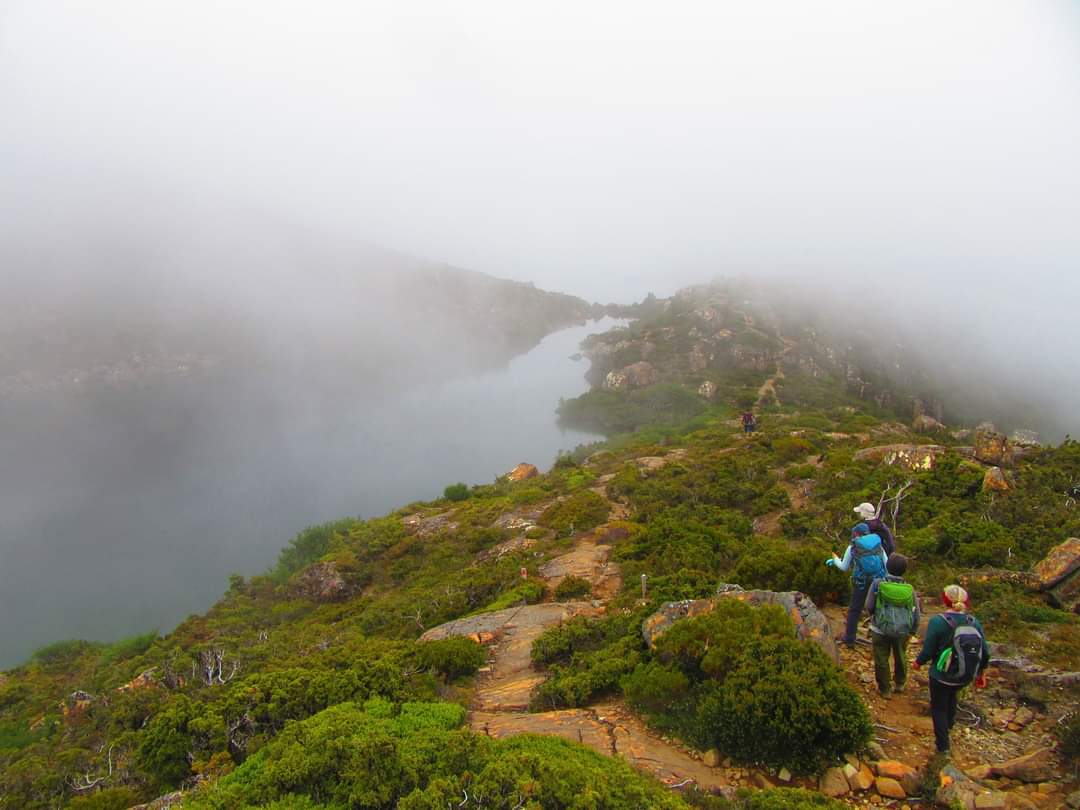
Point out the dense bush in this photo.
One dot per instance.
(577, 513)
(611, 412)
(456, 492)
(789, 799)
(420, 759)
(453, 657)
(308, 546)
(785, 704)
(572, 588)
(781, 567)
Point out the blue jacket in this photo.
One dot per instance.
(866, 542)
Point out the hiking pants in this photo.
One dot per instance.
(883, 648)
(943, 699)
(854, 611)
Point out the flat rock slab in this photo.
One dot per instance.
(588, 561)
(610, 730)
(509, 684)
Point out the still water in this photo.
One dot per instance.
(124, 513)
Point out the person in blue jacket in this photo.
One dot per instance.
(866, 558)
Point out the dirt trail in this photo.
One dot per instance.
(500, 704)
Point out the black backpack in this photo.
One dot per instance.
(960, 661)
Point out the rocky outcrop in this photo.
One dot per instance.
(924, 423)
(636, 375)
(995, 480)
(810, 623)
(522, 472)
(907, 456)
(1059, 574)
(707, 389)
(1040, 765)
(322, 582)
(166, 802)
(427, 525)
(991, 446)
(1025, 438)
(957, 790)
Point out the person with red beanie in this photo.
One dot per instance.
(956, 645)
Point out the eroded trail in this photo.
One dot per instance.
(500, 704)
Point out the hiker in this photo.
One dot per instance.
(749, 422)
(868, 513)
(955, 647)
(893, 606)
(866, 553)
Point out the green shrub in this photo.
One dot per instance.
(791, 448)
(779, 567)
(785, 704)
(653, 688)
(578, 513)
(529, 592)
(62, 653)
(588, 675)
(453, 658)
(800, 472)
(114, 798)
(127, 648)
(1069, 736)
(456, 492)
(572, 588)
(308, 546)
(712, 644)
(790, 799)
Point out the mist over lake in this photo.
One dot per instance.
(126, 508)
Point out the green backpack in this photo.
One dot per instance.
(894, 610)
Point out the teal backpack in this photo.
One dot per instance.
(894, 610)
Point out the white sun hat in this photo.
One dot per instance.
(865, 510)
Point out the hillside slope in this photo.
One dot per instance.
(412, 650)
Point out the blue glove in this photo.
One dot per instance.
(830, 562)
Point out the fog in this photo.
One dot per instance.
(259, 175)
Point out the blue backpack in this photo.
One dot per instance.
(868, 563)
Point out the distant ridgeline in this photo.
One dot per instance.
(758, 345)
(342, 677)
(384, 322)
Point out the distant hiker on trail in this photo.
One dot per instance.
(749, 422)
(869, 558)
(955, 646)
(893, 606)
(868, 513)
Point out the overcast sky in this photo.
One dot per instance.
(604, 148)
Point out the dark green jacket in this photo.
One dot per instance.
(939, 636)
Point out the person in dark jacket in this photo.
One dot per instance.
(867, 513)
(939, 636)
(867, 560)
(749, 422)
(888, 640)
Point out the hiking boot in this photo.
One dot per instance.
(899, 688)
(885, 693)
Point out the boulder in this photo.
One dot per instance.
(924, 423)
(707, 389)
(141, 681)
(522, 472)
(995, 480)
(810, 623)
(322, 582)
(166, 802)
(862, 780)
(833, 783)
(1036, 766)
(1062, 561)
(1059, 575)
(889, 788)
(904, 774)
(908, 456)
(616, 381)
(957, 790)
(1025, 438)
(991, 447)
(641, 374)
(711, 758)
